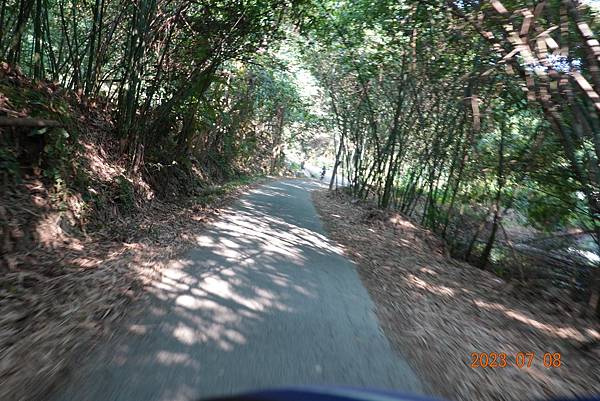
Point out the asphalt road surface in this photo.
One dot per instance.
(265, 300)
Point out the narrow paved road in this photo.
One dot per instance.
(265, 300)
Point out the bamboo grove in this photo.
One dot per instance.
(178, 75)
(459, 113)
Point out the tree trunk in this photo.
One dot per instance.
(337, 157)
(485, 256)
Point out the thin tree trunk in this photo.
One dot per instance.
(497, 216)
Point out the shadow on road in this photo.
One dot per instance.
(265, 299)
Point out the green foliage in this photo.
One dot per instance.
(443, 117)
(294, 166)
(37, 102)
(215, 193)
(9, 166)
(548, 212)
(180, 73)
(125, 194)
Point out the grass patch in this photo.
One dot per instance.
(214, 193)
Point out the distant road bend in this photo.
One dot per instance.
(264, 300)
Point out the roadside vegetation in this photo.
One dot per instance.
(479, 121)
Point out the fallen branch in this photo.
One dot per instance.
(28, 122)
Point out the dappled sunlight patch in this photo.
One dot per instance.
(229, 244)
(216, 285)
(303, 291)
(97, 163)
(228, 272)
(281, 281)
(228, 253)
(235, 337)
(593, 333)
(188, 302)
(220, 330)
(49, 230)
(86, 263)
(138, 329)
(185, 334)
(424, 285)
(173, 285)
(270, 240)
(269, 191)
(429, 271)
(204, 240)
(274, 236)
(261, 301)
(291, 184)
(566, 332)
(170, 358)
(204, 294)
(276, 246)
(74, 244)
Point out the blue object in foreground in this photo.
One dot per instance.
(344, 394)
(324, 394)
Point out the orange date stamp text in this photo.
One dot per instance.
(521, 360)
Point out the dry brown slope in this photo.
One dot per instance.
(437, 311)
